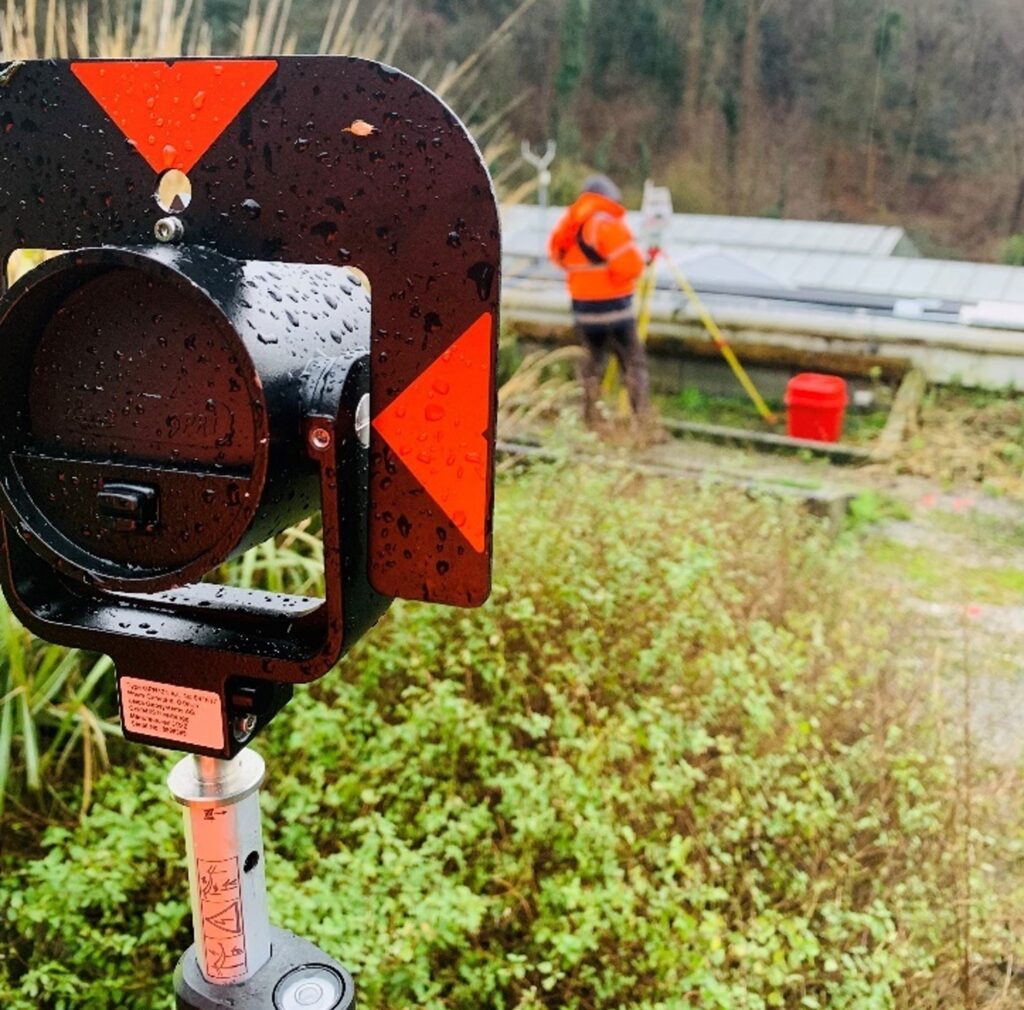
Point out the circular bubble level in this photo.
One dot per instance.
(312, 987)
(174, 192)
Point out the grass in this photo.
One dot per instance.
(870, 508)
(942, 579)
(682, 758)
(736, 411)
(969, 437)
(988, 532)
(55, 706)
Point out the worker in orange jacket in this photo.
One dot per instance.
(592, 243)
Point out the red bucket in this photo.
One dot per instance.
(816, 407)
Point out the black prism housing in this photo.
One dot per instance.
(174, 374)
(164, 410)
(187, 377)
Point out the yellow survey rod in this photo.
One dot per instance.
(720, 342)
(646, 293)
(643, 324)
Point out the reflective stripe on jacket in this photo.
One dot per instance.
(603, 313)
(593, 244)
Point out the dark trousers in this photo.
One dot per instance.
(621, 339)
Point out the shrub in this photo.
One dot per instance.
(1013, 251)
(677, 761)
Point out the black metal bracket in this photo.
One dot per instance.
(246, 646)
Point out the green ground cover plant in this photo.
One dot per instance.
(685, 758)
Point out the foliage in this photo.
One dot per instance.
(896, 112)
(575, 21)
(1013, 251)
(540, 388)
(638, 29)
(871, 507)
(969, 436)
(52, 706)
(677, 761)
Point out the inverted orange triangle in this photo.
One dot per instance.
(438, 427)
(172, 113)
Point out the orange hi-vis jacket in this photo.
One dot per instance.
(593, 244)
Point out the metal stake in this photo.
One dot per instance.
(239, 961)
(224, 842)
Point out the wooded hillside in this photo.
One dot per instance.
(909, 111)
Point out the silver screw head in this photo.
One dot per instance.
(169, 230)
(243, 727)
(320, 439)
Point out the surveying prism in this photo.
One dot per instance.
(270, 292)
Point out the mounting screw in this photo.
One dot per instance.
(320, 439)
(243, 727)
(169, 229)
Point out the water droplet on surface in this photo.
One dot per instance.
(482, 275)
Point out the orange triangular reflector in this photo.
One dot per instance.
(172, 113)
(438, 428)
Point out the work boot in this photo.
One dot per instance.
(592, 402)
(647, 429)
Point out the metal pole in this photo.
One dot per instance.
(239, 961)
(542, 163)
(224, 842)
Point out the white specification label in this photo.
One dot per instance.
(176, 714)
